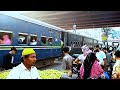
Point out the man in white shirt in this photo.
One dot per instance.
(25, 70)
(101, 57)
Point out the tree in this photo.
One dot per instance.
(106, 32)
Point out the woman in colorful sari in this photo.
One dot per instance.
(91, 69)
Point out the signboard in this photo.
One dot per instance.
(104, 37)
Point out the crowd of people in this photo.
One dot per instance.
(99, 63)
(93, 64)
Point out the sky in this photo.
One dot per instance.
(96, 33)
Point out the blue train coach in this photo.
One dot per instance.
(21, 32)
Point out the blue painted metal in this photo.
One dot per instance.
(8, 23)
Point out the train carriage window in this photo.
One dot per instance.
(78, 44)
(50, 39)
(22, 38)
(5, 37)
(110, 43)
(71, 43)
(33, 39)
(43, 40)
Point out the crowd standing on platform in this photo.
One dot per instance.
(99, 63)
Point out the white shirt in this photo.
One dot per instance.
(81, 57)
(100, 56)
(33, 43)
(12, 59)
(21, 72)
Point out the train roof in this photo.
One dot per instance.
(28, 19)
(82, 35)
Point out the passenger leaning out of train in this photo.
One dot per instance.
(27, 69)
(80, 59)
(1, 40)
(116, 67)
(101, 56)
(8, 59)
(34, 42)
(6, 40)
(91, 69)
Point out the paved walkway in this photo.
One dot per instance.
(57, 66)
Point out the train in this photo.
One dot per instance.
(76, 41)
(44, 38)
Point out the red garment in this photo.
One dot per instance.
(96, 70)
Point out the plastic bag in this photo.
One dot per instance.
(106, 75)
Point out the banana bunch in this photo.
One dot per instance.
(65, 71)
(50, 74)
(45, 74)
(4, 74)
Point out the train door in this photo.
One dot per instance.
(82, 41)
(64, 38)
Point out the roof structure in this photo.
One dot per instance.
(82, 19)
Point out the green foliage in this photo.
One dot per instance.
(106, 30)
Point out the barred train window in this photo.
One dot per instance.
(5, 37)
(43, 39)
(22, 38)
(78, 43)
(33, 39)
(50, 40)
